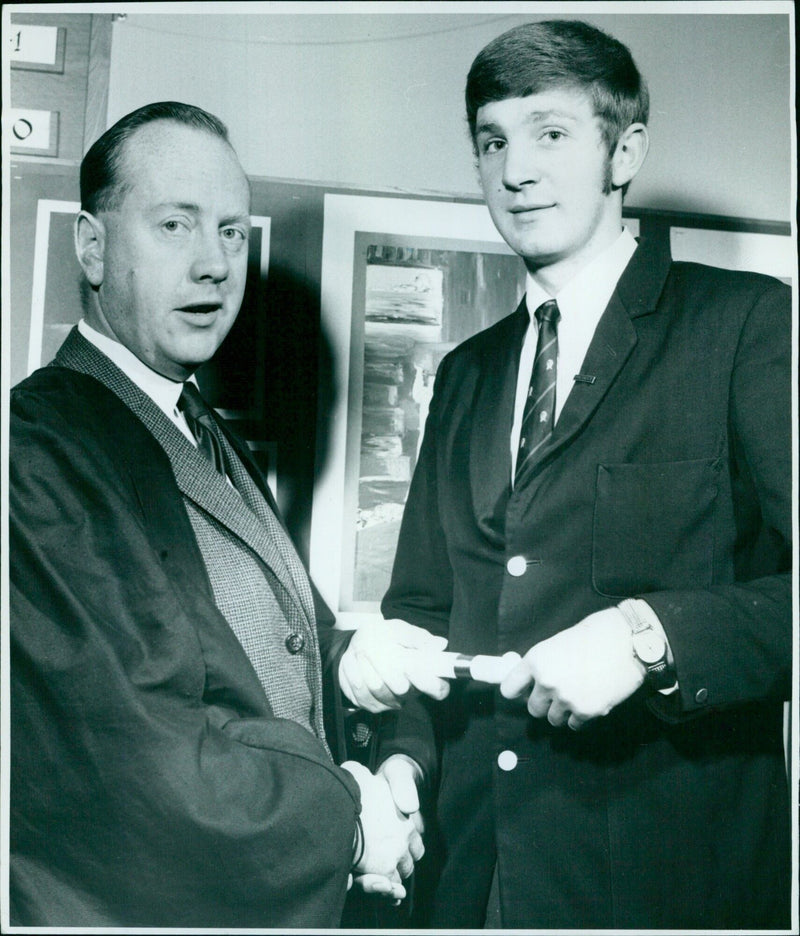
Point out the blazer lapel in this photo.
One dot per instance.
(493, 413)
(195, 476)
(615, 338)
(610, 348)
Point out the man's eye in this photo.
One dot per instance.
(493, 146)
(234, 235)
(172, 226)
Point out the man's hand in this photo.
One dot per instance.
(580, 673)
(382, 662)
(402, 775)
(392, 841)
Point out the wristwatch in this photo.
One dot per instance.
(649, 647)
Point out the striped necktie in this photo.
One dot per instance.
(201, 422)
(539, 414)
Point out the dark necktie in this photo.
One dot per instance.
(539, 413)
(204, 428)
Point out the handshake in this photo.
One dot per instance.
(382, 663)
(391, 826)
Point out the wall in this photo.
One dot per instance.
(77, 91)
(375, 100)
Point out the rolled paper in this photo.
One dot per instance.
(481, 667)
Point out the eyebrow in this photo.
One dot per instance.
(184, 206)
(193, 208)
(237, 219)
(532, 117)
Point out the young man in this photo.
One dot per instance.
(168, 759)
(604, 486)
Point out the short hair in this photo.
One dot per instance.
(534, 56)
(101, 179)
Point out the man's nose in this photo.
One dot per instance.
(519, 166)
(210, 260)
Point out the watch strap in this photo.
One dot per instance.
(658, 674)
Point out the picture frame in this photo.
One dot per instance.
(393, 268)
(56, 293)
(57, 303)
(760, 251)
(377, 248)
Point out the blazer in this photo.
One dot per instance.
(152, 784)
(668, 477)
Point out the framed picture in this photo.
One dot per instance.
(757, 251)
(265, 455)
(403, 281)
(57, 303)
(57, 300)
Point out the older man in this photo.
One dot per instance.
(169, 764)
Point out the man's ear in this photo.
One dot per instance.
(629, 154)
(90, 241)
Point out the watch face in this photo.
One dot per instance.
(649, 646)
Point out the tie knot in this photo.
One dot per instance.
(548, 312)
(191, 402)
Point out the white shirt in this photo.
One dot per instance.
(161, 390)
(581, 304)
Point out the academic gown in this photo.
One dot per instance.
(151, 784)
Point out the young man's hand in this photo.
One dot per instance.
(580, 673)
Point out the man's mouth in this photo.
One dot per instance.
(528, 209)
(201, 308)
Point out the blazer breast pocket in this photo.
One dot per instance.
(653, 526)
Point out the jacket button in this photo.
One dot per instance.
(700, 696)
(507, 760)
(516, 566)
(295, 643)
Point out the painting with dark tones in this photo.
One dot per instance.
(417, 303)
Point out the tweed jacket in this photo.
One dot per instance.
(668, 477)
(247, 553)
(153, 783)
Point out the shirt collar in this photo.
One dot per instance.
(590, 289)
(161, 390)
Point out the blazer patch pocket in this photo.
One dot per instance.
(654, 526)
